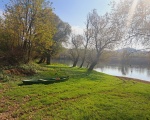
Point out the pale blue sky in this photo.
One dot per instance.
(74, 11)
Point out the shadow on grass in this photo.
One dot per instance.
(74, 74)
(57, 66)
(87, 75)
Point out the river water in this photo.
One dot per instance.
(138, 72)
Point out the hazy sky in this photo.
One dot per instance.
(74, 11)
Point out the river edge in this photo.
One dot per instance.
(132, 79)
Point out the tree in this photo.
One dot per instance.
(86, 40)
(63, 31)
(10, 53)
(76, 41)
(135, 17)
(106, 33)
(31, 23)
(61, 36)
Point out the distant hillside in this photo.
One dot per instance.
(128, 49)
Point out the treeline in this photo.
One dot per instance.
(124, 57)
(30, 29)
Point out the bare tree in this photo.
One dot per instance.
(135, 15)
(106, 34)
(142, 23)
(88, 36)
(76, 41)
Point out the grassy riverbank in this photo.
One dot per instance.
(85, 96)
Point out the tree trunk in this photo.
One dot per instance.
(29, 55)
(48, 60)
(92, 66)
(84, 56)
(25, 45)
(75, 62)
(87, 65)
(42, 60)
(94, 63)
(82, 62)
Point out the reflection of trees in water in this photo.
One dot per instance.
(124, 69)
(148, 72)
(141, 70)
(127, 69)
(101, 67)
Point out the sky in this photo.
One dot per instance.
(74, 11)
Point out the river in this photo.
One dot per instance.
(138, 72)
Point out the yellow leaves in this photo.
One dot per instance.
(45, 28)
(31, 21)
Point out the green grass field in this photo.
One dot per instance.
(85, 96)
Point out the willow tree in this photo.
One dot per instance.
(63, 31)
(86, 40)
(31, 22)
(106, 34)
(76, 43)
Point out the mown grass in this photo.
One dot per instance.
(85, 96)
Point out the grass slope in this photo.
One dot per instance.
(85, 96)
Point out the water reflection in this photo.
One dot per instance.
(148, 72)
(138, 72)
(124, 70)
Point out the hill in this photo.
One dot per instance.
(128, 49)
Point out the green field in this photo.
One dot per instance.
(85, 96)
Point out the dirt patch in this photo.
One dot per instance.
(133, 79)
(10, 107)
(8, 115)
